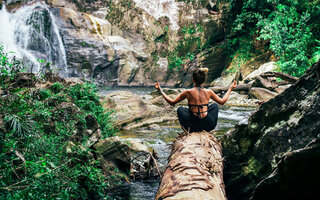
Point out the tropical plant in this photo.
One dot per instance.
(289, 29)
(39, 158)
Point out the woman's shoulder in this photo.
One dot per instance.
(207, 90)
(187, 91)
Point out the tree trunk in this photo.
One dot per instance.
(283, 76)
(242, 87)
(195, 169)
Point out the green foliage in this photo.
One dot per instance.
(57, 87)
(189, 44)
(253, 167)
(38, 159)
(289, 29)
(290, 37)
(85, 97)
(9, 65)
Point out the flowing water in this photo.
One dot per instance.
(161, 139)
(31, 32)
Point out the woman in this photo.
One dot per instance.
(200, 115)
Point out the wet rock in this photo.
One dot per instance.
(277, 147)
(126, 155)
(91, 122)
(111, 152)
(153, 127)
(88, 53)
(236, 99)
(128, 107)
(262, 93)
(168, 91)
(62, 3)
(151, 120)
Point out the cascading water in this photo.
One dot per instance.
(32, 33)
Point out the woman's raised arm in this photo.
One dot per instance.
(223, 100)
(172, 102)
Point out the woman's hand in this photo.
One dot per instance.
(234, 84)
(157, 85)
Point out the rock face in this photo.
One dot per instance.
(274, 154)
(132, 42)
(134, 111)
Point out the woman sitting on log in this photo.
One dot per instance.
(200, 115)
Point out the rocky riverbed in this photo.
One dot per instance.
(155, 132)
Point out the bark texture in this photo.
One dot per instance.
(195, 169)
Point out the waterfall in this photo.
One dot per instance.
(32, 33)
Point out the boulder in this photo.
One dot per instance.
(224, 80)
(295, 169)
(126, 155)
(236, 99)
(153, 127)
(93, 137)
(273, 155)
(111, 152)
(168, 91)
(267, 67)
(133, 111)
(91, 122)
(73, 81)
(65, 112)
(128, 107)
(282, 88)
(262, 93)
(268, 83)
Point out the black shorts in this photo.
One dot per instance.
(193, 123)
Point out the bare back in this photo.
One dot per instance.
(196, 98)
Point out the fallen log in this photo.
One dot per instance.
(242, 87)
(283, 76)
(194, 170)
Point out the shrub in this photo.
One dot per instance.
(290, 30)
(9, 65)
(35, 163)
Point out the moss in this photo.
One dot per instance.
(253, 167)
(244, 145)
(253, 126)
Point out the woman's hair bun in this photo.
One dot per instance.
(204, 70)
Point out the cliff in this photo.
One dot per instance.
(274, 153)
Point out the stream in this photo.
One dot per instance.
(161, 139)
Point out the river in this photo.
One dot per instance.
(161, 141)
